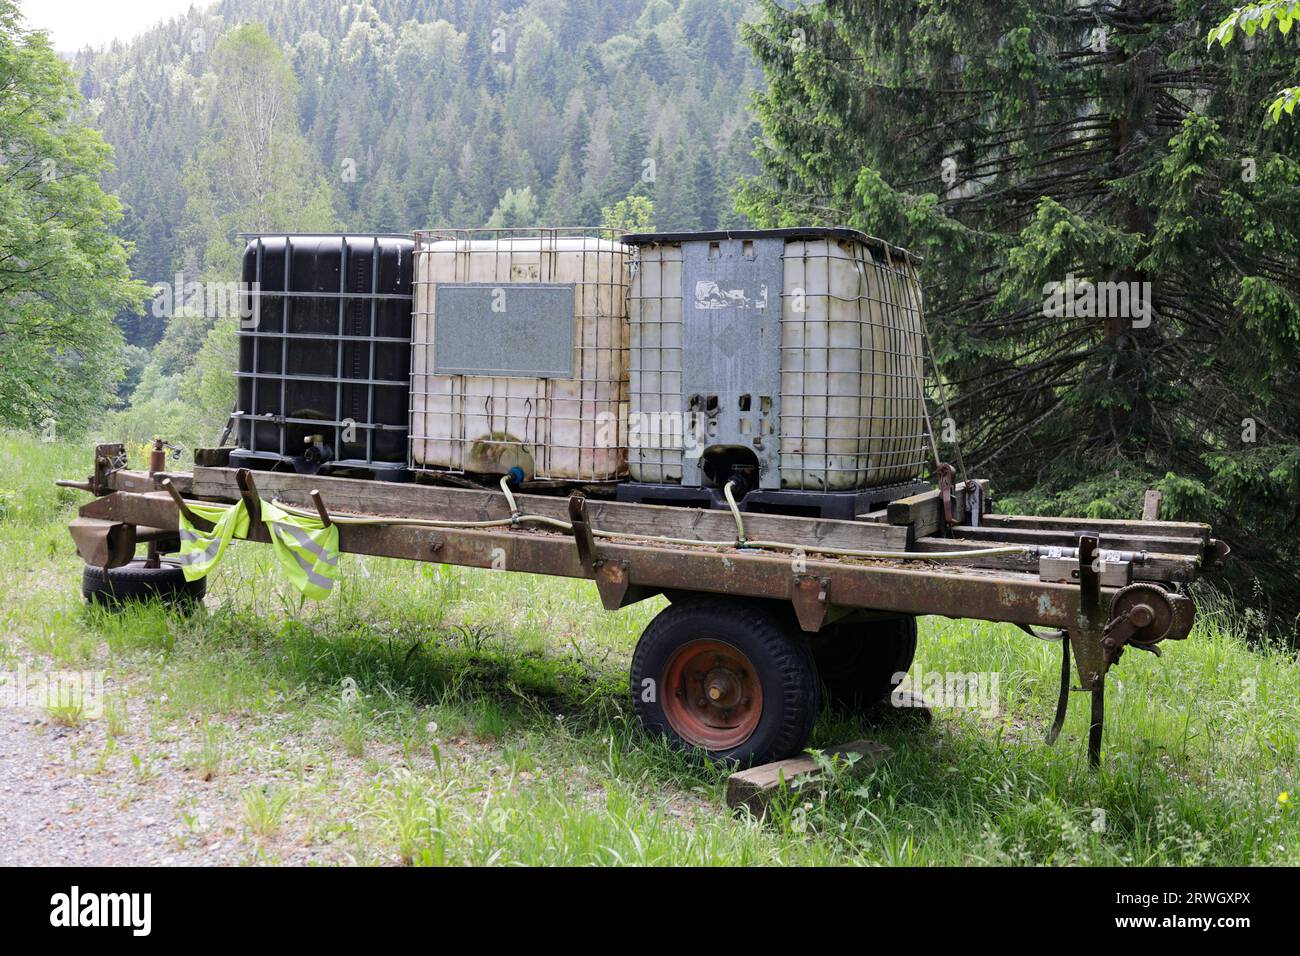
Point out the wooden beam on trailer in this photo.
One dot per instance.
(356, 496)
(142, 481)
(212, 457)
(924, 512)
(956, 591)
(349, 495)
(1103, 526)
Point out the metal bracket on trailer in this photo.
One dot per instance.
(1085, 641)
(103, 544)
(248, 493)
(947, 481)
(109, 458)
(613, 578)
(811, 600)
(974, 503)
(586, 541)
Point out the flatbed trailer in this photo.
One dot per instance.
(760, 603)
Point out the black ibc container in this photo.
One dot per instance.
(325, 357)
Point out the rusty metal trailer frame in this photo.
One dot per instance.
(1083, 609)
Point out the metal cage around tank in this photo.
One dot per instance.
(324, 365)
(803, 347)
(539, 383)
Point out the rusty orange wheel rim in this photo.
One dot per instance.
(712, 697)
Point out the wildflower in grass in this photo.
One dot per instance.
(1284, 798)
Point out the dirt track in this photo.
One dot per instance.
(55, 813)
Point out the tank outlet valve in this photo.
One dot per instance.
(317, 453)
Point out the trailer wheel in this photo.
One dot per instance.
(728, 677)
(135, 582)
(858, 660)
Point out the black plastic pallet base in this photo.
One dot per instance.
(370, 470)
(838, 505)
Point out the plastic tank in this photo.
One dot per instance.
(520, 352)
(324, 357)
(787, 359)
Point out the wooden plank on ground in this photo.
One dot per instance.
(754, 787)
(357, 496)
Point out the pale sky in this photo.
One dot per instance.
(73, 24)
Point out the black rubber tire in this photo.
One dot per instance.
(858, 660)
(780, 657)
(135, 582)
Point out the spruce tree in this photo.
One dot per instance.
(651, 58)
(1031, 151)
(630, 154)
(704, 186)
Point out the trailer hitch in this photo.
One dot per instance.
(108, 459)
(1139, 615)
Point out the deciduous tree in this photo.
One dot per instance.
(63, 273)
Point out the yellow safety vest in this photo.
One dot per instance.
(308, 551)
(201, 550)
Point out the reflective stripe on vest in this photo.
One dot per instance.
(201, 550)
(308, 551)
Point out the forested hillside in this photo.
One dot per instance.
(405, 114)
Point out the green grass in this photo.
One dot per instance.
(437, 715)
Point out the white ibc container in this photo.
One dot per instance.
(795, 354)
(526, 366)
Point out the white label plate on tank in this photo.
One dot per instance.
(515, 329)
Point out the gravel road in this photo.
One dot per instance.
(57, 809)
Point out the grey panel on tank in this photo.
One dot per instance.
(522, 329)
(731, 348)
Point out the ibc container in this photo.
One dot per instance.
(519, 354)
(324, 359)
(788, 359)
